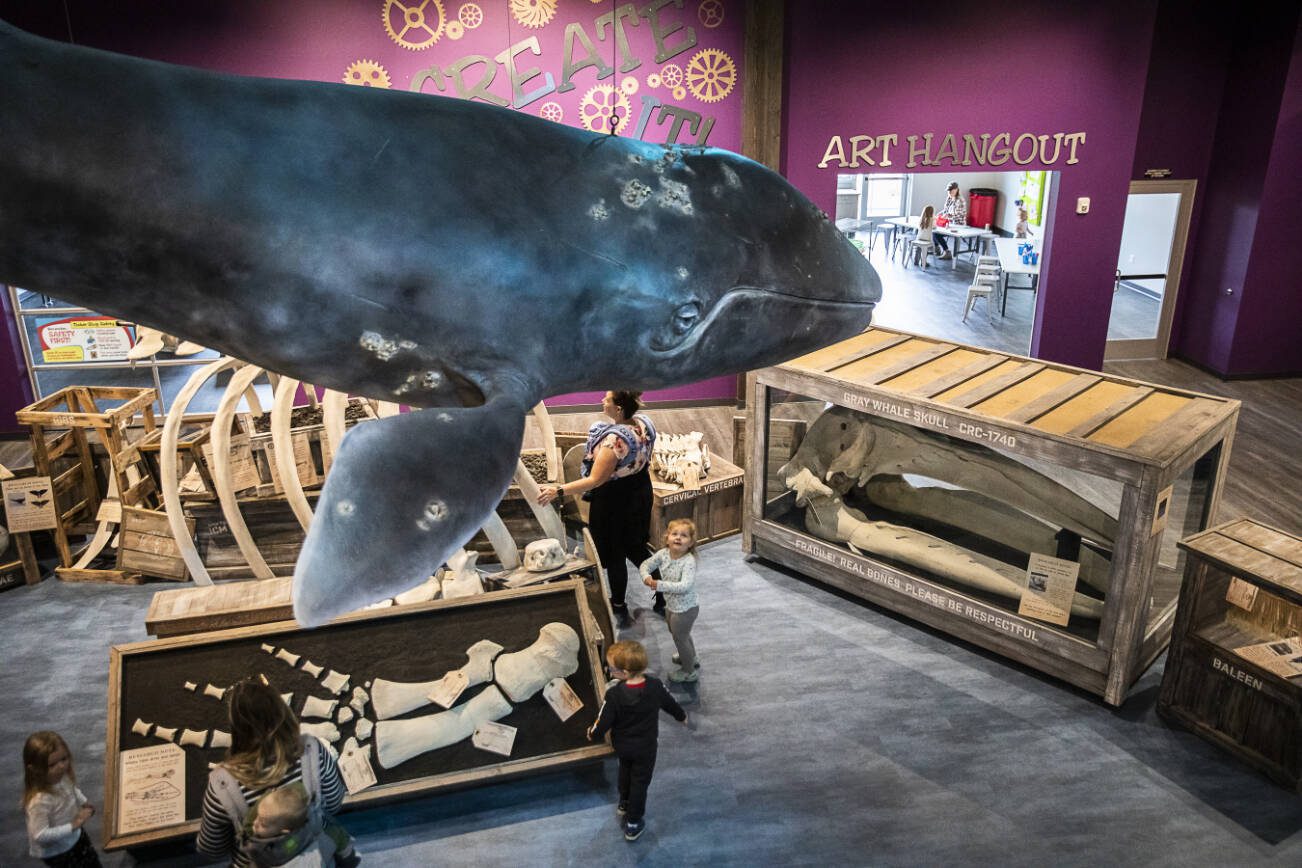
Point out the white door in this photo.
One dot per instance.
(1148, 269)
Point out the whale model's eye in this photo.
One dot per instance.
(685, 317)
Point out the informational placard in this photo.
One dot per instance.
(1282, 657)
(244, 473)
(494, 737)
(449, 688)
(152, 790)
(29, 504)
(562, 698)
(355, 767)
(1242, 594)
(84, 339)
(1050, 586)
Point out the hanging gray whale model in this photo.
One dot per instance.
(430, 251)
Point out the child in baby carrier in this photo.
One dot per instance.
(282, 831)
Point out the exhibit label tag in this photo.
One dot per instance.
(494, 737)
(562, 698)
(1050, 585)
(449, 688)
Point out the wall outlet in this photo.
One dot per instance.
(1083, 205)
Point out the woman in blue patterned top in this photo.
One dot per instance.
(616, 481)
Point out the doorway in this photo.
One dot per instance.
(1148, 269)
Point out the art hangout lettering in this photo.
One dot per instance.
(970, 149)
(472, 75)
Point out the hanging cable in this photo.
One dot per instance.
(67, 17)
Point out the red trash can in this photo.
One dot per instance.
(981, 206)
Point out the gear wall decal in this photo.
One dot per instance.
(414, 26)
(711, 75)
(552, 111)
(533, 13)
(600, 105)
(470, 15)
(366, 73)
(710, 13)
(671, 74)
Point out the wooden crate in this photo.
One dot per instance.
(409, 643)
(715, 507)
(1153, 457)
(271, 522)
(206, 608)
(1243, 587)
(147, 546)
(61, 425)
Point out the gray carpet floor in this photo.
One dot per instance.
(823, 732)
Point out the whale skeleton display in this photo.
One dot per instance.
(981, 492)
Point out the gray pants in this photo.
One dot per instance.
(680, 627)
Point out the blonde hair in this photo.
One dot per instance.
(688, 525)
(284, 808)
(629, 656)
(264, 735)
(37, 750)
(928, 214)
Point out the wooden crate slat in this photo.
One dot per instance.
(980, 388)
(1122, 398)
(848, 350)
(903, 366)
(1252, 560)
(1019, 394)
(973, 365)
(1053, 398)
(1284, 546)
(1197, 415)
(1143, 417)
(879, 359)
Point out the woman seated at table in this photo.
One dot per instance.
(955, 209)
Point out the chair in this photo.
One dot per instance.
(983, 286)
(919, 250)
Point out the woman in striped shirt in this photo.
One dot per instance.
(266, 752)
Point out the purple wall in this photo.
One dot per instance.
(1032, 66)
(653, 44)
(1182, 101)
(1235, 193)
(1268, 333)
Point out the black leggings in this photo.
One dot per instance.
(81, 855)
(619, 517)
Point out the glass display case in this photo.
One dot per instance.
(1030, 508)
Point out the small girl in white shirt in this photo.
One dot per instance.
(677, 565)
(56, 809)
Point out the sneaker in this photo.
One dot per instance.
(679, 676)
(633, 829)
(678, 660)
(946, 255)
(621, 809)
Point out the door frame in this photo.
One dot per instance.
(1159, 346)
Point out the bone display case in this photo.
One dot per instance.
(147, 682)
(715, 507)
(931, 472)
(1243, 588)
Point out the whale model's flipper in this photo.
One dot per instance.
(403, 494)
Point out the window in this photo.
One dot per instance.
(885, 195)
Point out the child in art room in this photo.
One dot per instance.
(56, 810)
(677, 565)
(1023, 229)
(631, 714)
(926, 233)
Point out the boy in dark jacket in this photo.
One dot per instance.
(631, 714)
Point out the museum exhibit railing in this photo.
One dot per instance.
(1031, 508)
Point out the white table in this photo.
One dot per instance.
(970, 235)
(1011, 263)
